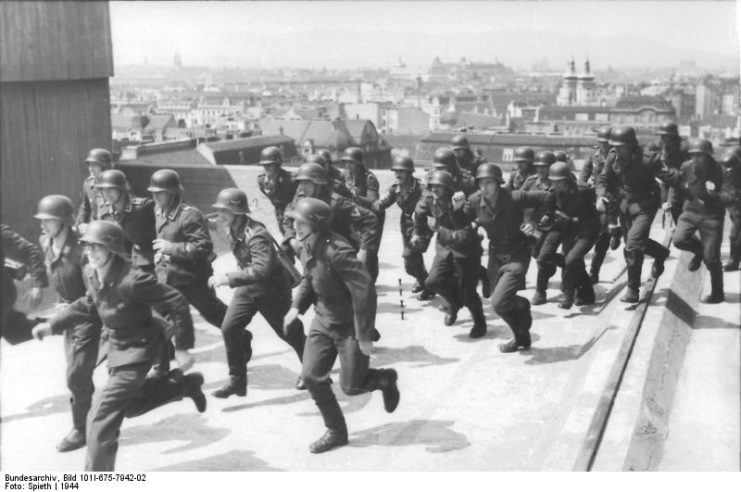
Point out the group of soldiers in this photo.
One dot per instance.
(127, 269)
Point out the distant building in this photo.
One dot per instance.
(577, 90)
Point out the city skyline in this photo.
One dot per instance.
(265, 35)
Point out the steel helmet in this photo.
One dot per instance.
(701, 146)
(490, 171)
(326, 155)
(445, 159)
(100, 157)
(55, 207)
(545, 158)
(562, 156)
(459, 142)
(669, 129)
(108, 234)
(271, 155)
(317, 159)
(524, 154)
(403, 163)
(441, 178)
(312, 172)
(233, 200)
(313, 211)
(623, 135)
(112, 178)
(165, 180)
(559, 170)
(603, 134)
(353, 154)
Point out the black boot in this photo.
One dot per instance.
(484, 279)
(634, 261)
(716, 286)
(538, 298)
(74, 440)
(192, 384)
(451, 316)
(300, 385)
(336, 434)
(568, 299)
(417, 288)
(631, 296)
(734, 259)
(233, 387)
(658, 267)
(425, 295)
(389, 388)
(247, 346)
(479, 325)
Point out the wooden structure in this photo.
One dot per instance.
(56, 59)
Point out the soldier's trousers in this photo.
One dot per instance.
(414, 263)
(575, 248)
(601, 245)
(323, 345)
(455, 279)
(372, 260)
(636, 227)
(81, 349)
(204, 299)
(15, 327)
(244, 305)
(708, 246)
(506, 276)
(546, 253)
(127, 393)
(734, 213)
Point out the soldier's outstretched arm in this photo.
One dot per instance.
(19, 248)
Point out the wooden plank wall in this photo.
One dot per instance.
(47, 129)
(55, 41)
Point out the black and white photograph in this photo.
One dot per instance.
(369, 236)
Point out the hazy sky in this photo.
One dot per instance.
(371, 33)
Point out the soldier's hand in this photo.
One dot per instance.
(290, 317)
(295, 245)
(366, 346)
(162, 246)
(601, 204)
(432, 223)
(34, 297)
(376, 207)
(415, 241)
(459, 198)
(185, 359)
(665, 206)
(81, 228)
(709, 185)
(613, 229)
(528, 229)
(363, 256)
(218, 280)
(41, 330)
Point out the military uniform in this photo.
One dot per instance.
(638, 198)
(280, 191)
(344, 314)
(509, 254)
(92, 202)
(517, 178)
(407, 199)
(261, 285)
(544, 249)
(187, 265)
(671, 194)
(471, 163)
(123, 302)
(15, 326)
(703, 211)
(138, 221)
(454, 271)
(365, 190)
(732, 197)
(576, 221)
(81, 340)
(589, 175)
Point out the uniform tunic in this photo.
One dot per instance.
(280, 191)
(92, 202)
(137, 219)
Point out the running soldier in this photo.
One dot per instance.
(276, 183)
(731, 162)
(524, 157)
(340, 287)
(467, 159)
(673, 157)
(98, 160)
(261, 285)
(122, 299)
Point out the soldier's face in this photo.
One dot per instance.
(488, 186)
(561, 185)
(460, 153)
(95, 169)
(307, 188)
(604, 147)
(439, 192)
(522, 166)
(303, 229)
(542, 172)
(51, 227)
(97, 254)
(225, 217)
(403, 177)
(351, 167)
(111, 195)
(271, 170)
(163, 199)
(701, 159)
(668, 142)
